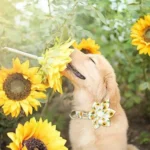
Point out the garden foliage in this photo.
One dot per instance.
(31, 27)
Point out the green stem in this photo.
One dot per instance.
(50, 96)
(141, 5)
(126, 56)
(65, 21)
(49, 7)
(20, 52)
(145, 77)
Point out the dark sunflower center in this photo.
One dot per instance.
(85, 51)
(17, 87)
(34, 144)
(147, 35)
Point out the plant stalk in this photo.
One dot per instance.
(49, 7)
(50, 96)
(20, 52)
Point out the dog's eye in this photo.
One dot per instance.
(92, 60)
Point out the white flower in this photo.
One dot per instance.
(101, 114)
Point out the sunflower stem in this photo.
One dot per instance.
(50, 96)
(20, 52)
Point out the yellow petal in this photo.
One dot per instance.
(13, 146)
(25, 67)
(25, 106)
(36, 79)
(16, 65)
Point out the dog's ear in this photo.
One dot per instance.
(112, 89)
(110, 83)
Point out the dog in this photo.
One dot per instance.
(94, 80)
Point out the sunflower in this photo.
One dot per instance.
(36, 135)
(53, 62)
(87, 46)
(20, 87)
(140, 34)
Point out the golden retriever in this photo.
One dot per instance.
(94, 80)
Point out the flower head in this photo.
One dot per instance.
(53, 62)
(140, 34)
(36, 135)
(20, 87)
(87, 46)
(101, 114)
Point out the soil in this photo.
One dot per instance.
(138, 124)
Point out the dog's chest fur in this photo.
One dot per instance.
(85, 132)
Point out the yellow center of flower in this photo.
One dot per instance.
(34, 144)
(16, 87)
(104, 124)
(147, 35)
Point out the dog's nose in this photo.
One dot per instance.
(77, 53)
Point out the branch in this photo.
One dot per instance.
(20, 52)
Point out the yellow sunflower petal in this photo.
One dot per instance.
(37, 131)
(32, 71)
(26, 84)
(34, 103)
(40, 87)
(87, 46)
(76, 46)
(25, 106)
(13, 137)
(36, 79)
(140, 34)
(2, 102)
(53, 62)
(16, 65)
(25, 67)
(13, 146)
(38, 95)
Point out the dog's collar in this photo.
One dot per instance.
(100, 114)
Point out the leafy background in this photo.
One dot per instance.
(31, 26)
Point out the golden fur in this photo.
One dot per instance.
(100, 83)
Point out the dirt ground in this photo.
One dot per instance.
(138, 124)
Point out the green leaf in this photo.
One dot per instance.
(101, 17)
(133, 2)
(145, 85)
(137, 100)
(129, 103)
(146, 3)
(134, 7)
(128, 94)
(144, 138)
(131, 77)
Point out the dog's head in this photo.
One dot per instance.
(93, 73)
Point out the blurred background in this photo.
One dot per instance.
(33, 25)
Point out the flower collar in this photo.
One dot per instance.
(100, 114)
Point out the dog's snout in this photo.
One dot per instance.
(77, 54)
